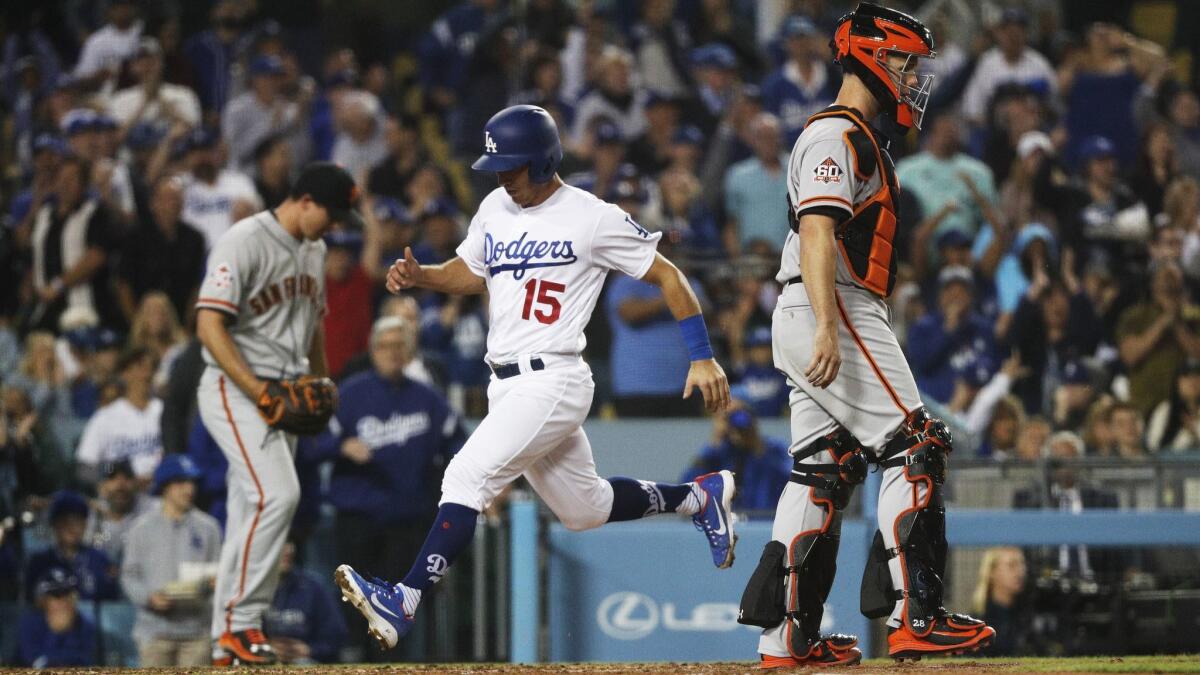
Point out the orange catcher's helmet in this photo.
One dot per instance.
(862, 43)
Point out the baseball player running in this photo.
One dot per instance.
(259, 317)
(853, 398)
(542, 250)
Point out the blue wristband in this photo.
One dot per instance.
(695, 336)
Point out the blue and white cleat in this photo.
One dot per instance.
(715, 518)
(379, 602)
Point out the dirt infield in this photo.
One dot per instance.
(1100, 664)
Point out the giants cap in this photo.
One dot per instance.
(330, 186)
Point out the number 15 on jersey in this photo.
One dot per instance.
(545, 295)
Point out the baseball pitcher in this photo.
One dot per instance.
(259, 319)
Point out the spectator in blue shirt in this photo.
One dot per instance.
(96, 575)
(949, 336)
(755, 188)
(805, 84)
(212, 54)
(765, 388)
(649, 360)
(53, 634)
(762, 464)
(445, 52)
(393, 436)
(303, 621)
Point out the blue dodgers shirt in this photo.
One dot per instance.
(649, 359)
(40, 647)
(760, 478)
(412, 432)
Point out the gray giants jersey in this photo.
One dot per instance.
(822, 176)
(274, 287)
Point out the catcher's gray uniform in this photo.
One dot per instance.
(274, 288)
(874, 391)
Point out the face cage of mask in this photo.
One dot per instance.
(916, 98)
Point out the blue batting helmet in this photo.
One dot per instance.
(521, 135)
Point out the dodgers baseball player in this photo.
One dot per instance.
(853, 399)
(259, 317)
(542, 250)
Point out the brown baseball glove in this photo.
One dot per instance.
(301, 406)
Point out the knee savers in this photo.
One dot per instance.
(832, 482)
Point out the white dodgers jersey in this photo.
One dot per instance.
(545, 266)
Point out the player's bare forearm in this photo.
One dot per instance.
(213, 333)
(677, 292)
(317, 365)
(818, 267)
(453, 277)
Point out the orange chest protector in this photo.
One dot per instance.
(865, 238)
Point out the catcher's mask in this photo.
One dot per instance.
(862, 43)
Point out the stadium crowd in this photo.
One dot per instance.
(1049, 237)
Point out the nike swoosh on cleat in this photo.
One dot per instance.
(721, 521)
(380, 607)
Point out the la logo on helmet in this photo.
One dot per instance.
(488, 143)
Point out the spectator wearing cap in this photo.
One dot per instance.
(608, 155)
(212, 53)
(687, 148)
(1099, 217)
(151, 99)
(214, 198)
(1011, 60)
(94, 571)
(438, 224)
(660, 43)
(349, 293)
(406, 155)
(762, 463)
(261, 111)
(615, 97)
(1074, 394)
(303, 622)
(1174, 424)
(1034, 247)
(949, 336)
(1156, 337)
(163, 253)
(754, 189)
(393, 229)
(715, 70)
(805, 84)
(1103, 81)
(979, 389)
(168, 571)
(106, 49)
(72, 238)
(128, 428)
(942, 174)
(52, 633)
(120, 502)
(359, 145)
(48, 151)
(273, 170)
(764, 389)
